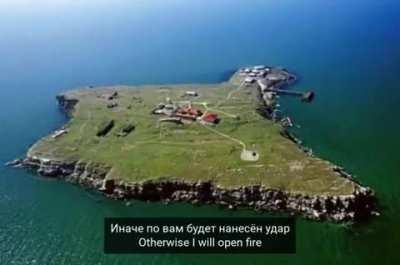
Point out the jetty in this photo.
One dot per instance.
(272, 82)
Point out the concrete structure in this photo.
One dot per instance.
(259, 67)
(275, 77)
(252, 74)
(191, 93)
(249, 155)
(175, 120)
(249, 80)
(59, 133)
(164, 109)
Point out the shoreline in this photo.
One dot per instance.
(357, 207)
(360, 206)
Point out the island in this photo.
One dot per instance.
(225, 144)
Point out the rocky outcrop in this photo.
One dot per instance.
(356, 207)
(290, 136)
(66, 104)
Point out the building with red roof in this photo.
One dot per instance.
(211, 118)
(188, 113)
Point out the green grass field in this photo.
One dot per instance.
(191, 151)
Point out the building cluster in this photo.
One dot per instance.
(184, 113)
(271, 83)
(268, 80)
(111, 99)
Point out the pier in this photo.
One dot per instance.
(307, 96)
(271, 82)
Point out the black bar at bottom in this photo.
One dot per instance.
(199, 235)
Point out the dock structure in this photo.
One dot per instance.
(307, 96)
(271, 83)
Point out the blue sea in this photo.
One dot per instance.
(348, 52)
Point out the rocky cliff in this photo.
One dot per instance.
(359, 206)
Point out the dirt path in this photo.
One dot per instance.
(205, 105)
(225, 135)
(228, 97)
(83, 126)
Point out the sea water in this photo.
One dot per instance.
(348, 52)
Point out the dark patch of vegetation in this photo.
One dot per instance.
(126, 129)
(105, 128)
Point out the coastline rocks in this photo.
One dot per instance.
(14, 163)
(66, 104)
(108, 186)
(356, 207)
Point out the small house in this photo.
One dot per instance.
(249, 80)
(275, 77)
(252, 74)
(210, 118)
(191, 93)
(164, 109)
(188, 113)
(261, 73)
(259, 67)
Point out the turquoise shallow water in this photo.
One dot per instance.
(347, 51)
